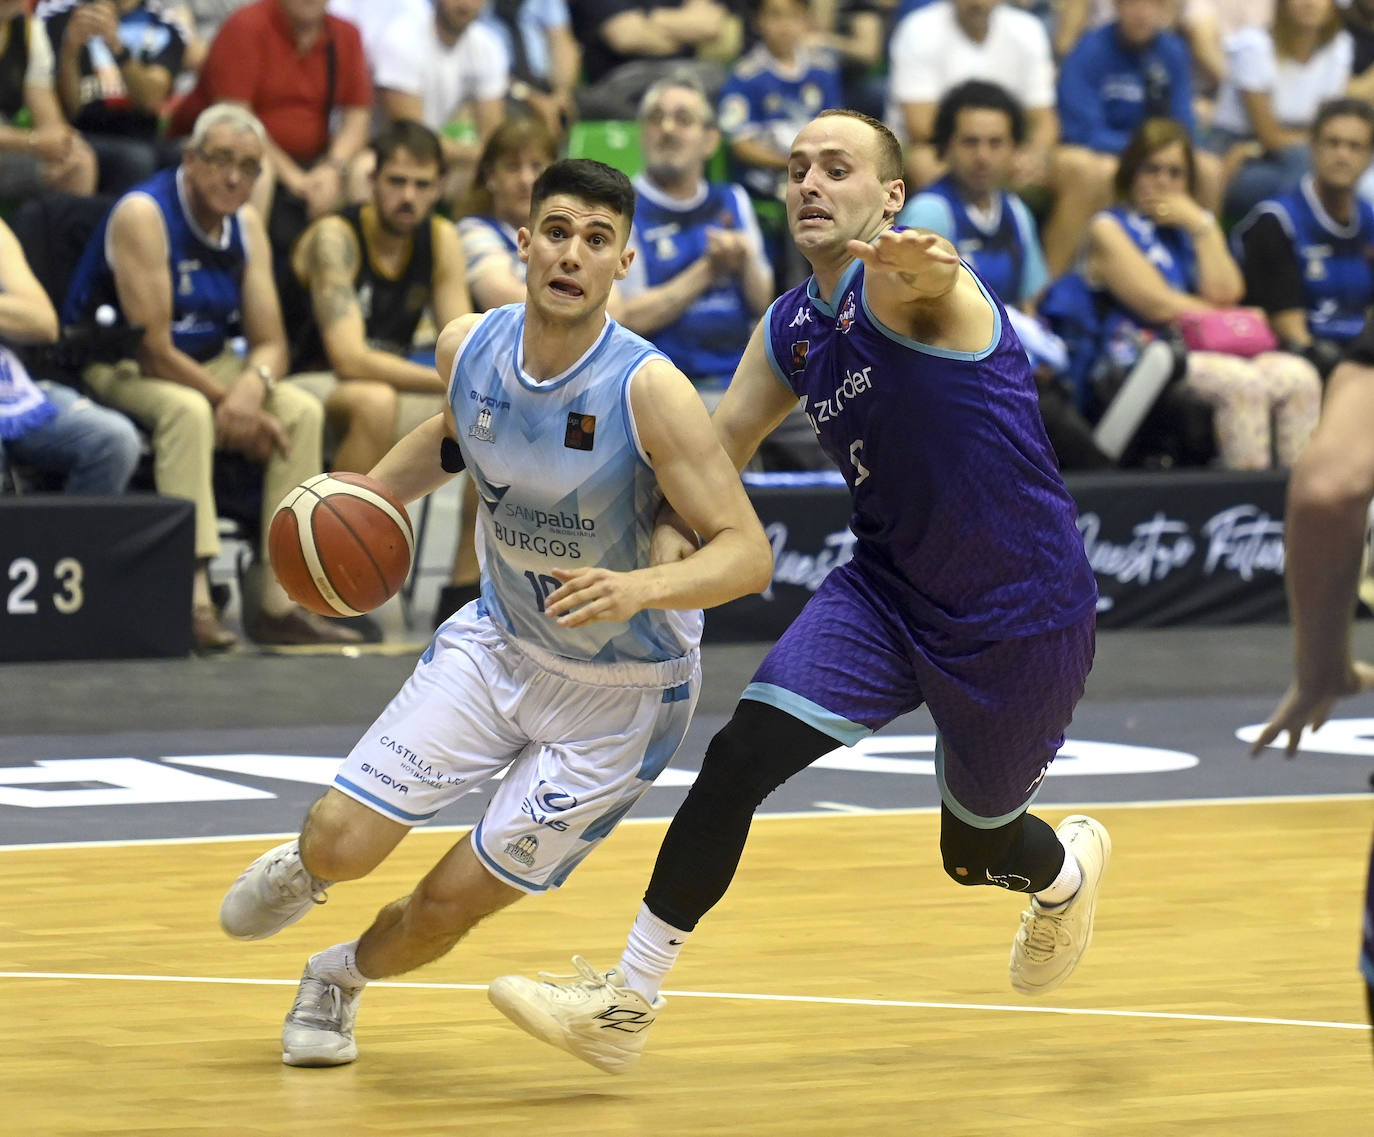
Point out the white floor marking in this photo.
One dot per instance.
(844, 807)
(796, 815)
(1245, 1020)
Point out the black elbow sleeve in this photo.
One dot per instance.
(451, 457)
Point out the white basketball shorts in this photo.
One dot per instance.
(577, 748)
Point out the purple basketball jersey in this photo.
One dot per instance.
(959, 509)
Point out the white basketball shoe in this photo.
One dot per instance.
(1052, 940)
(591, 1015)
(319, 1027)
(271, 894)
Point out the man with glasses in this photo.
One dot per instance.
(700, 278)
(184, 257)
(303, 72)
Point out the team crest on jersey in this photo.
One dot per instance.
(523, 850)
(846, 320)
(581, 432)
(186, 286)
(799, 352)
(481, 429)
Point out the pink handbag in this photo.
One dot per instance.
(1231, 331)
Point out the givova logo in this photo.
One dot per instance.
(546, 801)
(549, 797)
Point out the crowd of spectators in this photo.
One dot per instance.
(310, 188)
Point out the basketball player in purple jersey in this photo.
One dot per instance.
(1326, 516)
(969, 590)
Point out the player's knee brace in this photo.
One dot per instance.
(755, 752)
(981, 856)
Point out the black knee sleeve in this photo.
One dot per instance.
(754, 753)
(1022, 856)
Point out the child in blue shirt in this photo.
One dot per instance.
(772, 92)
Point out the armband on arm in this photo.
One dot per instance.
(451, 457)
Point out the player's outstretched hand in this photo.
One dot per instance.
(589, 596)
(1300, 708)
(922, 259)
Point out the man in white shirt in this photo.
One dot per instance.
(373, 17)
(446, 72)
(943, 44)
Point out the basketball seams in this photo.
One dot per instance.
(304, 508)
(347, 525)
(358, 536)
(348, 489)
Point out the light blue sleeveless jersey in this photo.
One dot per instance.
(564, 484)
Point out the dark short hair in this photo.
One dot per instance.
(1343, 108)
(587, 180)
(1150, 137)
(889, 149)
(414, 138)
(977, 95)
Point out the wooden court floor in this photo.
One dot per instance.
(843, 987)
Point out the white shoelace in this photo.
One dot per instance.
(570, 988)
(318, 1004)
(284, 874)
(1043, 934)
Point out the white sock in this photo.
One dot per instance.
(650, 953)
(339, 965)
(1065, 885)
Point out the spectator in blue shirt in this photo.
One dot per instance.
(1306, 253)
(772, 92)
(53, 430)
(115, 66)
(1116, 78)
(700, 278)
(978, 128)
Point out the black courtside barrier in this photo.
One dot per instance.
(95, 577)
(1179, 547)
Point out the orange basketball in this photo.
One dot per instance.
(341, 544)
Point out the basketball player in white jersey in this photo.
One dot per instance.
(577, 670)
